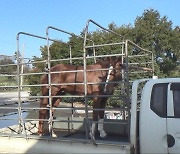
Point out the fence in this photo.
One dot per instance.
(72, 120)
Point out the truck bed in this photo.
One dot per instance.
(67, 140)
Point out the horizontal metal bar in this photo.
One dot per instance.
(8, 87)
(108, 30)
(33, 62)
(69, 120)
(36, 36)
(137, 72)
(139, 46)
(71, 71)
(69, 33)
(135, 56)
(26, 109)
(68, 84)
(102, 45)
(66, 59)
(6, 65)
(140, 63)
(112, 55)
(33, 73)
(12, 75)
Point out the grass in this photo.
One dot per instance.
(10, 82)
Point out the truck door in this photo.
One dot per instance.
(173, 118)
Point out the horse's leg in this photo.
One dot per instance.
(101, 118)
(55, 103)
(96, 104)
(42, 115)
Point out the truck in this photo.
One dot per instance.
(143, 119)
(154, 126)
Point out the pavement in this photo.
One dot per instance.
(8, 98)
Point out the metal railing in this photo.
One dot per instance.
(124, 92)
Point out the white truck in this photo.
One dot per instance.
(157, 127)
(154, 126)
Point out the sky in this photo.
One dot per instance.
(34, 16)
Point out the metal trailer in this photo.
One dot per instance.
(72, 123)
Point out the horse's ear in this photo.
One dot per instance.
(108, 59)
(119, 59)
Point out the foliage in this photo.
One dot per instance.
(156, 34)
(7, 69)
(150, 31)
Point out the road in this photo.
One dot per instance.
(7, 98)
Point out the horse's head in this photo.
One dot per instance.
(114, 73)
(116, 66)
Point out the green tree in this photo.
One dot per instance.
(5, 67)
(156, 34)
(150, 31)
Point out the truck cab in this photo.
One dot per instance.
(157, 130)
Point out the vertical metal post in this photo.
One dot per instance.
(85, 79)
(19, 88)
(70, 54)
(123, 78)
(94, 53)
(153, 64)
(49, 84)
(22, 66)
(127, 86)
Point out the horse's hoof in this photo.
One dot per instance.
(92, 138)
(54, 135)
(103, 134)
(40, 135)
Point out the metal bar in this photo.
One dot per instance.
(144, 55)
(140, 63)
(34, 62)
(5, 65)
(67, 59)
(89, 57)
(69, 33)
(8, 75)
(127, 87)
(85, 80)
(26, 109)
(33, 35)
(9, 86)
(19, 86)
(66, 84)
(49, 83)
(137, 72)
(104, 28)
(138, 46)
(70, 55)
(102, 45)
(153, 63)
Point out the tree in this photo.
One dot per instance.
(5, 68)
(150, 31)
(156, 34)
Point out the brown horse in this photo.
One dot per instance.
(105, 71)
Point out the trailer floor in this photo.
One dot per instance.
(111, 138)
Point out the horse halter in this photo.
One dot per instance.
(108, 77)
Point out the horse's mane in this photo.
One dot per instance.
(103, 62)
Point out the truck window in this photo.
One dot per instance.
(175, 87)
(159, 99)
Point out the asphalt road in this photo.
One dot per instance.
(10, 99)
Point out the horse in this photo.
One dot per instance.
(103, 71)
